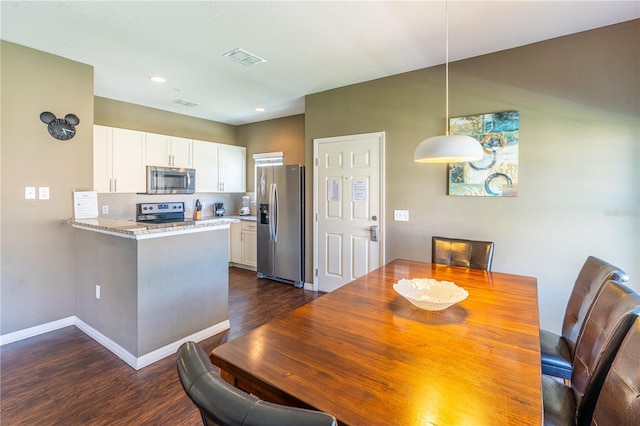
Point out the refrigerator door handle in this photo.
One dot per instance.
(276, 225)
(271, 210)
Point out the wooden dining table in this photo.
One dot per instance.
(369, 357)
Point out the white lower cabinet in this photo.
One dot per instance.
(235, 243)
(249, 243)
(243, 244)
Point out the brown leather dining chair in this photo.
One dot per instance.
(224, 405)
(615, 402)
(557, 351)
(459, 252)
(619, 400)
(613, 314)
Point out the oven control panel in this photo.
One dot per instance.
(174, 207)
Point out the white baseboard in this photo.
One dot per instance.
(118, 350)
(37, 330)
(135, 362)
(172, 348)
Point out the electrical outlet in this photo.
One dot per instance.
(97, 291)
(29, 192)
(105, 209)
(43, 193)
(401, 215)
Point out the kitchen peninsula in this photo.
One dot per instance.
(143, 289)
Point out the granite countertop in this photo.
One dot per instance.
(139, 230)
(239, 217)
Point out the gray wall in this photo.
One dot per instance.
(578, 98)
(153, 291)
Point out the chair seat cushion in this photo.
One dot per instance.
(559, 403)
(555, 355)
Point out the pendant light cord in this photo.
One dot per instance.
(446, 67)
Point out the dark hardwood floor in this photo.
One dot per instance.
(66, 378)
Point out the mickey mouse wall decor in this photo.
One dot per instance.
(60, 128)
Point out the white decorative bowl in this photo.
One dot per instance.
(429, 294)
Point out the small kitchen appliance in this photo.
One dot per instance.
(160, 212)
(244, 210)
(218, 209)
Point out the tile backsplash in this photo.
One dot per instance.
(123, 206)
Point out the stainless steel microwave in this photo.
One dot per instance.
(170, 180)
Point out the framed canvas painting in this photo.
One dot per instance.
(496, 174)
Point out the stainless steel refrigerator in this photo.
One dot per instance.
(280, 195)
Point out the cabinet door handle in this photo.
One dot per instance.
(110, 185)
(115, 185)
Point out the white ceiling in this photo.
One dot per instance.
(309, 46)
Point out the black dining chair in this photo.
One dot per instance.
(460, 252)
(613, 397)
(614, 312)
(557, 351)
(224, 405)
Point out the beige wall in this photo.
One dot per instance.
(579, 179)
(283, 134)
(109, 112)
(37, 284)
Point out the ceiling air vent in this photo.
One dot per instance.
(243, 57)
(184, 103)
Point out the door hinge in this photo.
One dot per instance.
(316, 272)
(316, 217)
(316, 161)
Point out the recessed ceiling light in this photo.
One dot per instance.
(260, 109)
(157, 79)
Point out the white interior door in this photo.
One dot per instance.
(348, 208)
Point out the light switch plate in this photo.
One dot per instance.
(43, 193)
(401, 215)
(29, 192)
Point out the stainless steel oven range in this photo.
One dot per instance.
(160, 212)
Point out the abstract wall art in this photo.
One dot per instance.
(496, 174)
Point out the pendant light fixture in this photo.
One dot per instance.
(448, 148)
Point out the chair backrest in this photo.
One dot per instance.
(224, 405)
(594, 273)
(459, 252)
(619, 400)
(611, 316)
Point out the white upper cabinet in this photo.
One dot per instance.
(118, 160)
(181, 152)
(163, 150)
(219, 167)
(120, 157)
(205, 161)
(232, 170)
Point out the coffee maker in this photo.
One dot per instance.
(218, 209)
(244, 210)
